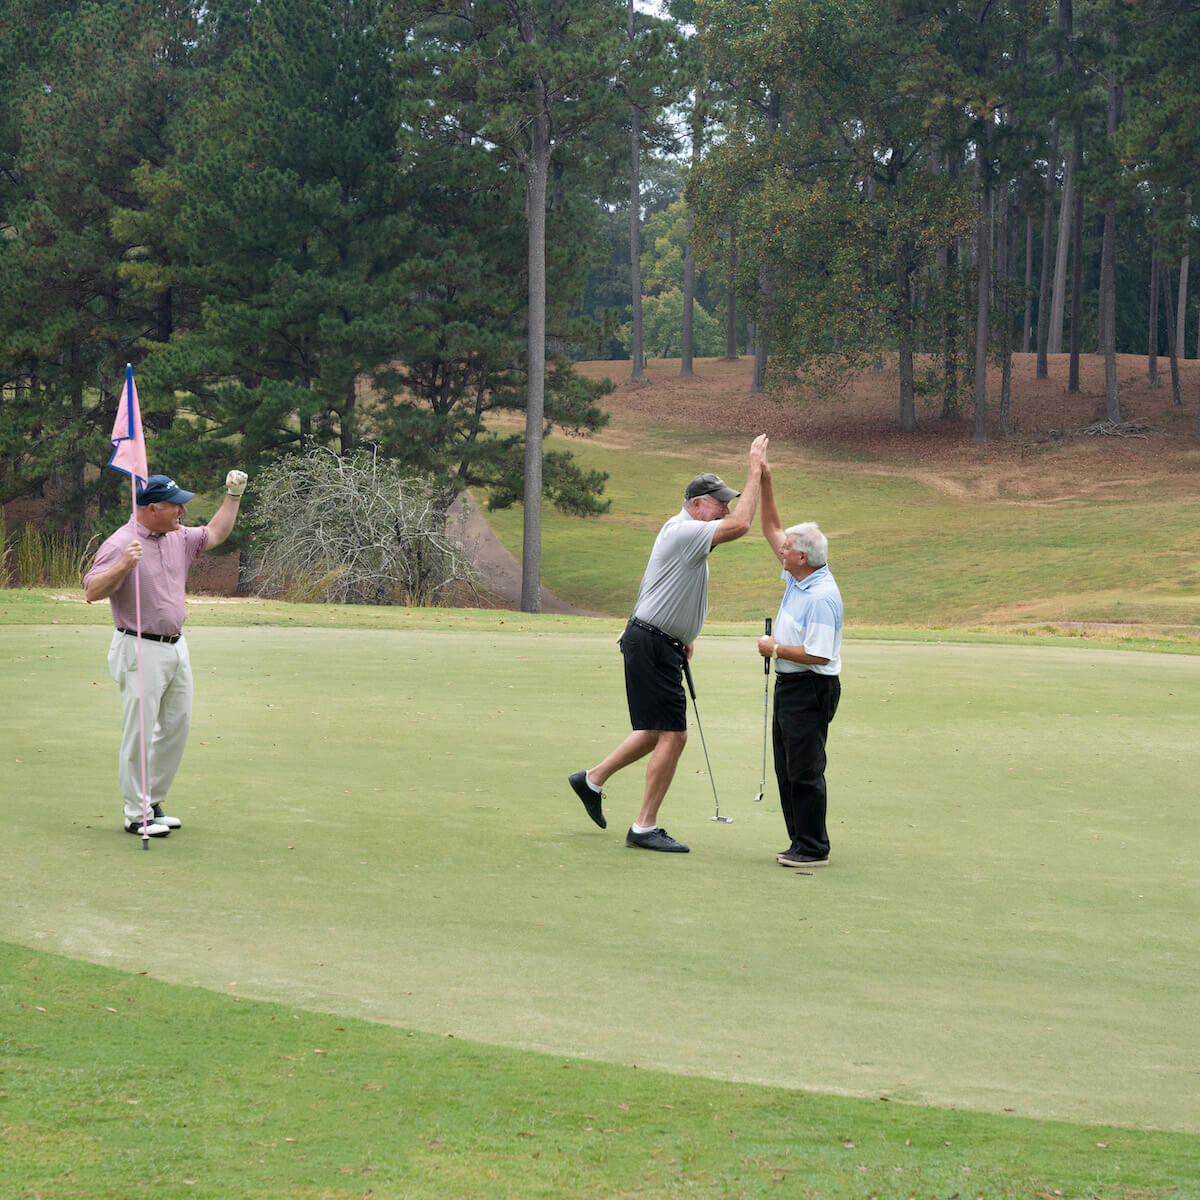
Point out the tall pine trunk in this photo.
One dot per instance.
(948, 269)
(689, 256)
(1152, 333)
(1043, 324)
(1108, 273)
(766, 281)
(731, 345)
(1164, 275)
(1076, 274)
(1004, 259)
(537, 172)
(1181, 308)
(1027, 325)
(638, 350)
(983, 254)
(904, 338)
(1058, 301)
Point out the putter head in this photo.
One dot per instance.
(723, 820)
(758, 797)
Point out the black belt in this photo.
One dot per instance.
(654, 629)
(169, 638)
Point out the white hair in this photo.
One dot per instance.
(808, 540)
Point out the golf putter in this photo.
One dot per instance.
(687, 674)
(762, 787)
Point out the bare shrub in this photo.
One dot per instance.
(351, 530)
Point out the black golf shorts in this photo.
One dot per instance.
(653, 681)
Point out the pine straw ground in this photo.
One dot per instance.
(1052, 450)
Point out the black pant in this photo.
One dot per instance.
(804, 705)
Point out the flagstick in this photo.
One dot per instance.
(129, 455)
(137, 600)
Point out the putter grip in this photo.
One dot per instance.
(767, 661)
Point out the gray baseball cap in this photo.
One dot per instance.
(710, 485)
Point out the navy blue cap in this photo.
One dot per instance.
(159, 488)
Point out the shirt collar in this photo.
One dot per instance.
(142, 531)
(808, 581)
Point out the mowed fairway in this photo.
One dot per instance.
(377, 824)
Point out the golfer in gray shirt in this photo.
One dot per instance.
(667, 618)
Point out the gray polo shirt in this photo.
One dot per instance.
(674, 591)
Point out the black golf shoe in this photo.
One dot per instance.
(791, 858)
(591, 800)
(656, 839)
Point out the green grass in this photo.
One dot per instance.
(388, 955)
(904, 553)
(231, 1097)
(377, 828)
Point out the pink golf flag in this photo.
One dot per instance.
(129, 445)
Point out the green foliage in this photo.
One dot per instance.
(95, 97)
(822, 175)
(293, 217)
(662, 327)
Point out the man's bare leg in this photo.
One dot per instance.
(659, 773)
(637, 745)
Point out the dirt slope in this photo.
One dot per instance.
(1045, 455)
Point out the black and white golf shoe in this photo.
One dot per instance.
(169, 822)
(153, 828)
(591, 800)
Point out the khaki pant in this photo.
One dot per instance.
(166, 686)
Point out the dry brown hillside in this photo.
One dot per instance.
(1047, 452)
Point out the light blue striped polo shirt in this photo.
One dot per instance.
(810, 616)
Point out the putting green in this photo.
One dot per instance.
(377, 823)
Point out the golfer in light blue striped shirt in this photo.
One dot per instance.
(806, 645)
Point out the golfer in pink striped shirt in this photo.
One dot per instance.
(162, 551)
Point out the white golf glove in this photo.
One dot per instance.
(235, 482)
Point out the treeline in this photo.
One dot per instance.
(305, 222)
(324, 222)
(960, 179)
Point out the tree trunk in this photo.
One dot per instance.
(1066, 28)
(1043, 325)
(1027, 327)
(638, 350)
(731, 347)
(759, 382)
(948, 259)
(983, 253)
(766, 282)
(689, 306)
(1076, 276)
(1152, 335)
(689, 258)
(1005, 260)
(1164, 275)
(537, 171)
(950, 395)
(1058, 300)
(904, 337)
(1181, 308)
(1108, 275)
